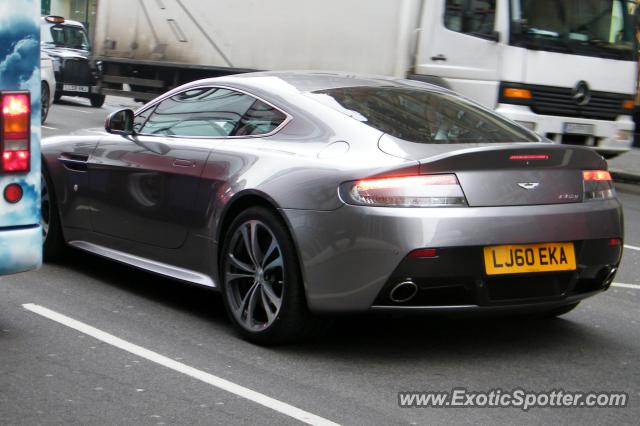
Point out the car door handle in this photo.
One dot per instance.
(440, 57)
(75, 162)
(183, 163)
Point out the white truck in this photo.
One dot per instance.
(564, 68)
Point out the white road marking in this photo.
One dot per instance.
(49, 128)
(210, 379)
(623, 285)
(76, 110)
(627, 246)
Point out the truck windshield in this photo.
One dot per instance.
(583, 27)
(65, 36)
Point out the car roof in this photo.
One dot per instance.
(312, 81)
(66, 22)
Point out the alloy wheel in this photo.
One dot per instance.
(254, 275)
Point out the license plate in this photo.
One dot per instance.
(75, 88)
(529, 258)
(578, 129)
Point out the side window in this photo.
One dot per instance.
(199, 112)
(474, 17)
(260, 119)
(453, 15)
(141, 118)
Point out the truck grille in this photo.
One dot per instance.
(559, 101)
(76, 71)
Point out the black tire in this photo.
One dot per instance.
(54, 247)
(97, 100)
(45, 99)
(270, 285)
(56, 97)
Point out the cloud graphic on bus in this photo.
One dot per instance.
(19, 52)
(19, 253)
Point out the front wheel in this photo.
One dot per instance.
(97, 100)
(53, 242)
(261, 281)
(45, 99)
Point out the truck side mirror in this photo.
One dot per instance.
(120, 122)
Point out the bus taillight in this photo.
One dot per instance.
(15, 131)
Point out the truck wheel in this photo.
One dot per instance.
(262, 285)
(53, 242)
(97, 100)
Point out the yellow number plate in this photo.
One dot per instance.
(523, 259)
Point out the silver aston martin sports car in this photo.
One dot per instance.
(298, 194)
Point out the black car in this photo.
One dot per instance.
(67, 44)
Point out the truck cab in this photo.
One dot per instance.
(67, 43)
(563, 68)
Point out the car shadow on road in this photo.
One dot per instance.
(190, 299)
(76, 102)
(370, 337)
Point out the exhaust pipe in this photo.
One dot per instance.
(610, 276)
(403, 291)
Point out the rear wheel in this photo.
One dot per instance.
(45, 99)
(53, 242)
(261, 282)
(97, 100)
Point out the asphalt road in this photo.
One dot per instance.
(73, 114)
(52, 373)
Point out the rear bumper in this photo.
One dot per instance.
(348, 256)
(479, 311)
(20, 249)
(456, 281)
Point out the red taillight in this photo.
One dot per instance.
(423, 253)
(15, 161)
(13, 193)
(15, 131)
(405, 181)
(615, 242)
(529, 157)
(441, 190)
(596, 175)
(598, 185)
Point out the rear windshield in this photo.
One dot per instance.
(422, 116)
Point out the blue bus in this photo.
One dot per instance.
(20, 109)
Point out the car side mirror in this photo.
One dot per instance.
(120, 122)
